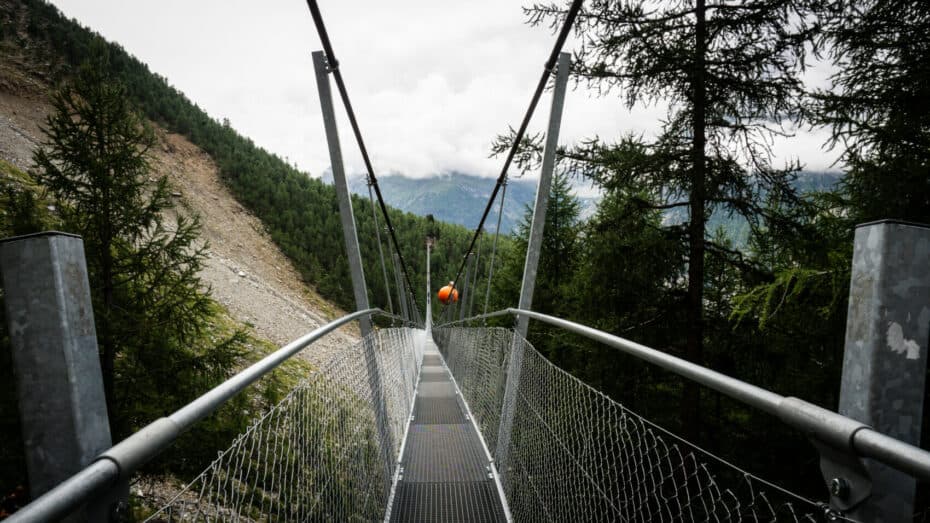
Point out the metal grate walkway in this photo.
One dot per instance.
(446, 475)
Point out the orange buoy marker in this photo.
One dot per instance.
(447, 294)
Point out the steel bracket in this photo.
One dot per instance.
(846, 477)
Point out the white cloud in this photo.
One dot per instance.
(432, 82)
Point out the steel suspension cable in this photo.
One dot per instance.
(540, 87)
(343, 93)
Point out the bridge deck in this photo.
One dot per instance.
(445, 468)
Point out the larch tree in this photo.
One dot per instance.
(143, 268)
(878, 106)
(729, 73)
(558, 262)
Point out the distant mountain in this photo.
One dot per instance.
(460, 198)
(456, 197)
(735, 227)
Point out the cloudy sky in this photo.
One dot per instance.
(432, 81)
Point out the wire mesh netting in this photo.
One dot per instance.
(326, 452)
(566, 452)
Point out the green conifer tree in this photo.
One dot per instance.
(148, 303)
(729, 73)
(878, 106)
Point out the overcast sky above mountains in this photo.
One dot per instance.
(432, 81)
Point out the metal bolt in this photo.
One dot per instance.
(828, 513)
(839, 488)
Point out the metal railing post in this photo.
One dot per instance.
(885, 362)
(342, 190)
(533, 249)
(414, 310)
(374, 353)
(534, 245)
(55, 361)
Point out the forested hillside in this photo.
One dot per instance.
(299, 212)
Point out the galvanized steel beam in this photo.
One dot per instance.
(534, 245)
(349, 233)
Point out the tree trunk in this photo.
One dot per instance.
(691, 404)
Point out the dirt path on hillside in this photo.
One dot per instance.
(245, 270)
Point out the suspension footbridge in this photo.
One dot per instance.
(471, 425)
(462, 421)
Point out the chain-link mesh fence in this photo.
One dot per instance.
(566, 452)
(326, 452)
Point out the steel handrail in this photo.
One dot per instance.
(123, 459)
(816, 422)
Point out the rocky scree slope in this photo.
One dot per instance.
(245, 270)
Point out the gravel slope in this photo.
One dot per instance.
(245, 270)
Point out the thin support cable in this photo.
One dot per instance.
(497, 234)
(397, 287)
(416, 307)
(453, 305)
(549, 68)
(412, 304)
(374, 214)
(448, 311)
(474, 278)
(466, 289)
(350, 112)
